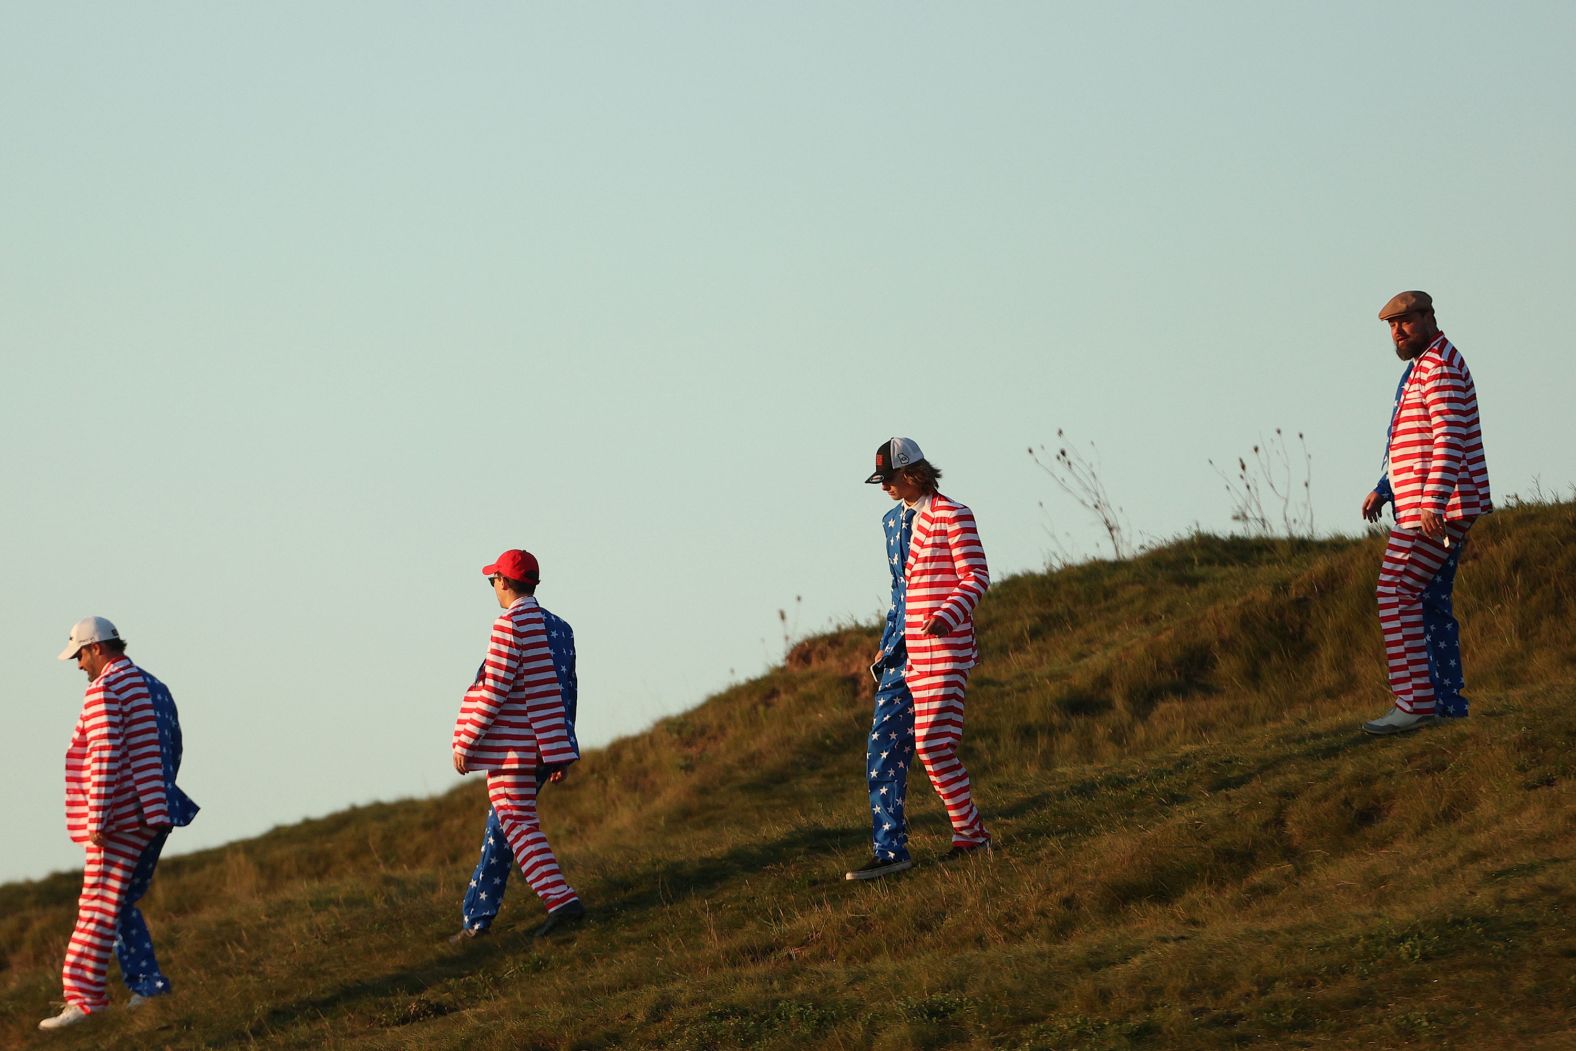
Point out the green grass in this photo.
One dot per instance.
(1198, 850)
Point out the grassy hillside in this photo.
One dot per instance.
(1198, 850)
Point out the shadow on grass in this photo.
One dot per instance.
(645, 889)
(1203, 770)
(671, 881)
(415, 982)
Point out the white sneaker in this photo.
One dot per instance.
(70, 1016)
(137, 1000)
(1395, 721)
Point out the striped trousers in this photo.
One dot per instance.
(1420, 630)
(107, 877)
(512, 793)
(484, 895)
(139, 966)
(938, 730)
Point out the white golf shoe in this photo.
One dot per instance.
(1395, 721)
(70, 1016)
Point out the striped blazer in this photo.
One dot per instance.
(114, 774)
(945, 577)
(1435, 453)
(513, 715)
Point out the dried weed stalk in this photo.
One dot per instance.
(1266, 484)
(1078, 476)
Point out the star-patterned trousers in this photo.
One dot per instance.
(938, 730)
(106, 885)
(513, 796)
(484, 896)
(139, 968)
(888, 752)
(1421, 635)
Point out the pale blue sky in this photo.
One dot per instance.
(308, 310)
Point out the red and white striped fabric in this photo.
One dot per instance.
(938, 730)
(106, 877)
(114, 776)
(513, 796)
(946, 576)
(1410, 562)
(1436, 445)
(513, 716)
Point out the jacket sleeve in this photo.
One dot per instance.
(144, 758)
(1444, 394)
(491, 689)
(101, 727)
(968, 562)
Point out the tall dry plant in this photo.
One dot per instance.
(1079, 476)
(1266, 484)
(789, 630)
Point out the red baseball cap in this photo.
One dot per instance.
(516, 565)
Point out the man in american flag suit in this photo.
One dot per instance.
(512, 723)
(938, 572)
(484, 896)
(121, 802)
(1436, 477)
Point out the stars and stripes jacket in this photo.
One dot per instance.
(945, 576)
(114, 774)
(561, 643)
(894, 653)
(513, 715)
(1434, 455)
(168, 720)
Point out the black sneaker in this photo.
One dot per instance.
(561, 918)
(875, 868)
(466, 934)
(973, 850)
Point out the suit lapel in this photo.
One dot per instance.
(923, 524)
(1434, 356)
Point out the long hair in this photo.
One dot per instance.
(924, 474)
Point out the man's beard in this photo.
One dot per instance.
(1407, 355)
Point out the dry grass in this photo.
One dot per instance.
(1198, 850)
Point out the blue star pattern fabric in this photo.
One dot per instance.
(1442, 636)
(889, 750)
(139, 967)
(484, 896)
(168, 720)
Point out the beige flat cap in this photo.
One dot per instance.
(1406, 303)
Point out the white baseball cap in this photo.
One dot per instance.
(85, 632)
